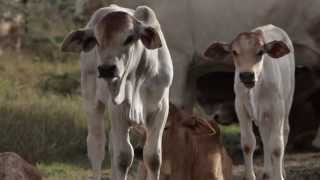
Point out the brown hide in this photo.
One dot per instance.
(191, 150)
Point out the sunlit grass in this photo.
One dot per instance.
(35, 124)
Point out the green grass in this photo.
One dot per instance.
(36, 124)
(231, 137)
(61, 171)
(72, 171)
(45, 127)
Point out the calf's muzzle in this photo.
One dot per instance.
(247, 78)
(107, 71)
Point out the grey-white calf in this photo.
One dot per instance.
(264, 86)
(126, 65)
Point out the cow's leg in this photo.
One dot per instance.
(264, 128)
(276, 144)
(121, 150)
(286, 131)
(248, 140)
(142, 172)
(152, 149)
(96, 138)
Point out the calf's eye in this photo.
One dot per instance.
(260, 52)
(234, 53)
(129, 40)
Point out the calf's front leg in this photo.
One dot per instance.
(121, 148)
(248, 140)
(153, 147)
(95, 109)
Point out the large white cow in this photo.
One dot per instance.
(264, 86)
(126, 65)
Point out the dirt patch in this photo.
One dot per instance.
(299, 166)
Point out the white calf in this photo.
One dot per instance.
(264, 86)
(126, 64)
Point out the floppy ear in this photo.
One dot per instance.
(217, 50)
(79, 40)
(150, 38)
(276, 49)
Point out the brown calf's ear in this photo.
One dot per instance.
(217, 50)
(79, 40)
(276, 49)
(150, 38)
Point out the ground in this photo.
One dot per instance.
(299, 166)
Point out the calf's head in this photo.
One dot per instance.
(115, 37)
(183, 122)
(248, 50)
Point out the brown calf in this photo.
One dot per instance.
(192, 150)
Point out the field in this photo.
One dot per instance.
(41, 112)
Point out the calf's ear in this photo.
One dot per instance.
(150, 38)
(79, 40)
(217, 50)
(276, 49)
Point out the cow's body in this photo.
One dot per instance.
(140, 96)
(198, 151)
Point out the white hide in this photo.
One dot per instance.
(268, 105)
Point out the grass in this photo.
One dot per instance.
(41, 112)
(47, 128)
(49, 124)
(63, 170)
(76, 170)
(231, 137)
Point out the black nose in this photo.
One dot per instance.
(107, 71)
(247, 78)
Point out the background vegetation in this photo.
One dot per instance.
(41, 114)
